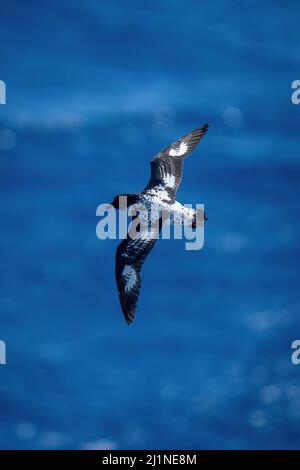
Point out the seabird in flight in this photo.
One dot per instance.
(166, 173)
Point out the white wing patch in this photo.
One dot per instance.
(169, 181)
(130, 277)
(181, 150)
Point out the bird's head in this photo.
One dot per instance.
(120, 201)
(124, 200)
(115, 202)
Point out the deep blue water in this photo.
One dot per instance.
(94, 90)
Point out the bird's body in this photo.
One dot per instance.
(158, 196)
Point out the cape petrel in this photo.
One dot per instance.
(166, 173)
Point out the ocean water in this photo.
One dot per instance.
(94, 90)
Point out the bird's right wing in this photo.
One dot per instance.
(166, 166)
(130, 256)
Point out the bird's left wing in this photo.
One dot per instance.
(130, 256)
(166, 166)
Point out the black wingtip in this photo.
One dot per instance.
(200, 131)
(129, 318)
(196, 135)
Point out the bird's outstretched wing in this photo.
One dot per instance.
(130, 256)
(166, 166)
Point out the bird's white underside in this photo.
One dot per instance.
(156, 198)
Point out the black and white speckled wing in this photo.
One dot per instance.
(166, 167)
(130, 256)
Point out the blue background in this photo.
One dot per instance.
(94, 90)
